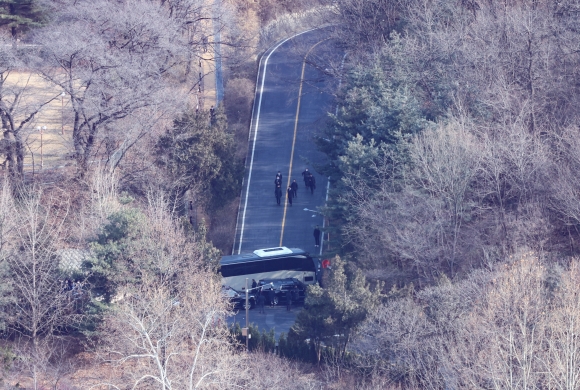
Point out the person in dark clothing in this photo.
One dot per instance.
(278, 194)
(261, 300)
(312, 184)
(288, 300)
(307, 181)
(317, 236)
(277, 181)
(294, 187)
(295, 294)
(279, 176)
(290, 195)
(306, 177)
(271, 296)
(254, 284)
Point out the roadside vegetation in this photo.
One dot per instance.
(453, 154)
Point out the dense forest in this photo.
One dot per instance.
(454, 210)
(455, 152)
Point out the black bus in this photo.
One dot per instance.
(270, 263)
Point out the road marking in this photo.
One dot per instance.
(294, 137)
(324, 219)
(256, 133)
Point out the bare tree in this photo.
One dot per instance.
(115, 66)
(41, 306)
(7, 245)
(19, 104)
(562, 348)
(510, 328)
(172, 334)
(447, 162)
(424, 218)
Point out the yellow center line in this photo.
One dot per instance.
(294, 139)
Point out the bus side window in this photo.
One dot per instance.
(291, 263)
(271, 265)
(259, 267)
(307, 264)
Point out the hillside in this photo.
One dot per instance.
(453, 153)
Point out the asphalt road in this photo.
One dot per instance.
(290, 106)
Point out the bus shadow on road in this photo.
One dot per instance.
(278, 318)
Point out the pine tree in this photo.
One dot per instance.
(200, 151)
(20, 15)
(333, 312)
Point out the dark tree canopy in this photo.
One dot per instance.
(20, 16)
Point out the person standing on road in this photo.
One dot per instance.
(261, 300)
(277, 181)
(279, 177)
(294, 187)
(254, 284)
(271, 296)
(288, 300)
(308, 182)
(290, 195)
(306, 177)
(312, 184)
(317, 236)
(295, 294)
(278, 194)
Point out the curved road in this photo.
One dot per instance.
(290, 105)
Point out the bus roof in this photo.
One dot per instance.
(262, 254)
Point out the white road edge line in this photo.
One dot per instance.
(324, 219)
(244, 179)
(328, 182)
(256, 132)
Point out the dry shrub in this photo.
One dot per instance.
(238, 99)
(223, 225)
(267, 371)
(514, 327)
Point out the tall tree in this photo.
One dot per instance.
(125, 71)
(40, 307)
(18, 106)
(332, 313)
(199, 152)
(20, 15)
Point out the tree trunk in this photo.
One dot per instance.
(18, 149)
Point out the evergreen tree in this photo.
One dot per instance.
(112, 263)
(333, 312)
(378, 113)
(200, 151)
(20, 15)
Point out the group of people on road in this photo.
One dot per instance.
(309, 180)
(292, 190)
(291, 295)
(261, 295)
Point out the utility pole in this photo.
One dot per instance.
(62, 113)
(247, 318)
(41, 130)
